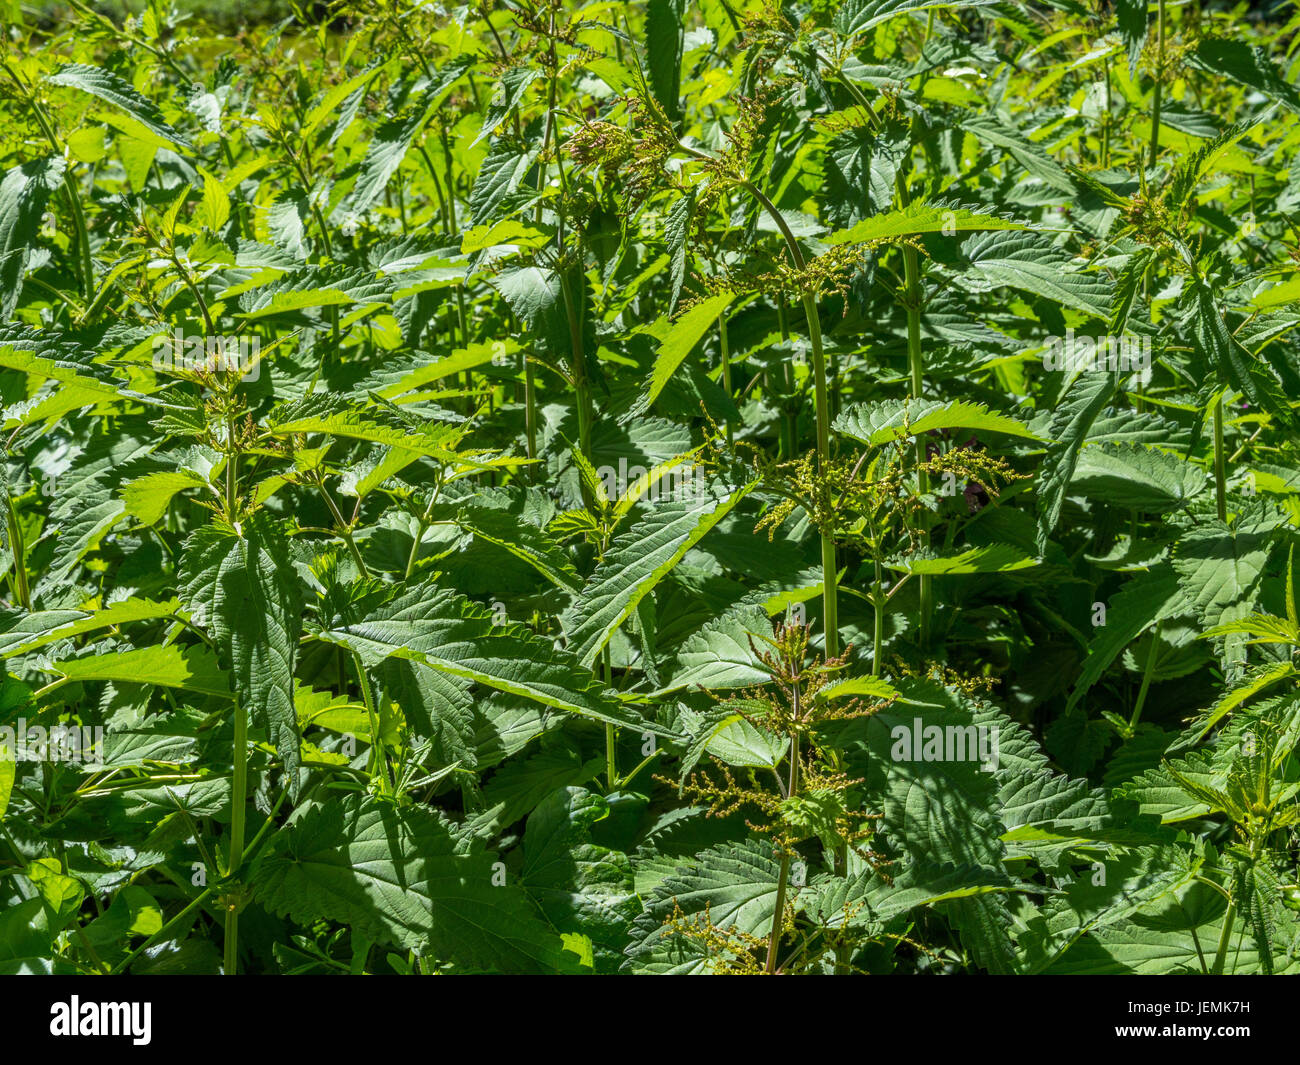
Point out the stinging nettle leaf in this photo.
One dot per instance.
(243, 584)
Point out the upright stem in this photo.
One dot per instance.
(1147, 670)
(830, 597)
(1105, 122)
(915, 362)
(579, 359)
(1160, 76)
(232, 472)
(611, 737)
(238, 803)
(878, 604)
(530, 413)
(783, 878)
(726, 365)
(18, 549)
(1220, 466)
(1225, 937)
(789, 420)
(377, 752)
(1229, 917)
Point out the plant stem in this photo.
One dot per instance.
(1146, 679)
(783, 879)
(238, 804)
(915, 362)
(530, 413)
(377, 753)
(1225, 936)
(1105, 122)
(830, 602)
(611, 737)
(726, 365)
(1220, 467)
(345, 530)
(878, 604)
(22, 591)
(789, 419)
(1160, 74)
(69, 187)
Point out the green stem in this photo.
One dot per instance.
(611, 737)
(1225, 936)
(915, 362)
(164, 932)
(530, 413)
(1105, 123)
(345, 530)
(1220, 467)
(579, 359)
(232, 472)
(1160, 74)
(18, 549)
(726, 365)
(238, 809)
(377, 753)
(789, 418)
(829, 598)
(878, 604)
(1147, 670)
(783, 879)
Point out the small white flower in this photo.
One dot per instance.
(349, 225)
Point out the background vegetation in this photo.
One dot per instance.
(632, 488)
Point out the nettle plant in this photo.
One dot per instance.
(679, 487)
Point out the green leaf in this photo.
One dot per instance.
(1030, 262)
(1143, 601)
(1136, 477)
(639, 559)
(448, 633)
(886, 420)
(120, 93)
(736, 883)
(190, 668)
(1131, 16)
(582, 888)
(146, 498)
(522, 540)
(664, 32)
(21, 632)
(242, 584)
(678, 342)
(918, 218)
(987, 558)
(719, 655)
(858, 16)
(403, 876)
(24, 192)
(1247, 65)
(393, 139)
(1232, 363)
(1088, 395)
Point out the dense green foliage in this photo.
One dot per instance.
(673, 487)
